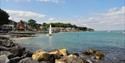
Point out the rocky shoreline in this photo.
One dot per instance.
(14, 53)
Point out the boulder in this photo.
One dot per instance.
(99, 55)
(45, 62)
(54, 52)
(52, 57)
(40, 55)
(7, 53)
(28, 60)
(73, 59)
(70, 59)
(15, 59)
(60, 61)
(3, 59)
(4, 41)
(27, 54)
(3, 48)
(62, 52)
(17, 50)
(89, 52)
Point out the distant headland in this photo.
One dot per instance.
(7, 25)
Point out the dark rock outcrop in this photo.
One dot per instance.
(14, 52)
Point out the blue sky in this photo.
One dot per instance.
(81, 12)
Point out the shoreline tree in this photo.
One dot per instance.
(4, 17)
(32, 23)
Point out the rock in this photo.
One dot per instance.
(46, 62)
(54, 52)
(73, 59)
(99, 55)
(63, 51)
(27, 54)
(88, 61)
(15, 60)
(59, 52)
(7, 53)
(89, 52)
(22, 54)
(4, 41)
(94, 53)
(39, 55)
(60, 61)
(17, 50)
(52, 57)
(28, 60)
(9, 43)
(3, 59)
(2, 48)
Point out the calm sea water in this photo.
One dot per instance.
(76, 40)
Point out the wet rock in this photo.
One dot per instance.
(17, 50)
(28, 60)
(70, 59)
(99, 55)
(2, 48)
(27, 54)
(46, 62)
(75, 53)
(89, 52)
(94, 54)
(4, 41)
(73, 59)
(15, 60)
(54, 52)
(88, 61)
(62, 52)
(7, 53)
(52, 57)
(60, 61)
(3, 59)
(39, 55)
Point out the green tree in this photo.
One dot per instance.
(3, 17)
(45, 26)
(32, 23)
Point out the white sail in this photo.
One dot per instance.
(50, 30)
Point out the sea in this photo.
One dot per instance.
(75, 40)
(111, 43)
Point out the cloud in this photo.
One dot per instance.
(42, 1)
(24, 15)
(51, 19)
(116, 11)
(112, 19)
(56, 20)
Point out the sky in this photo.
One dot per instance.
(96, 14)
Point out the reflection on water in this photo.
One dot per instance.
(50, 41)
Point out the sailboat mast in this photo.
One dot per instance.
(50, 30)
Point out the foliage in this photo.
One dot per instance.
(66, 25)
(3, 17)
(45, 26)
(32, 23)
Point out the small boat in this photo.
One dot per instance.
(50, 30)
